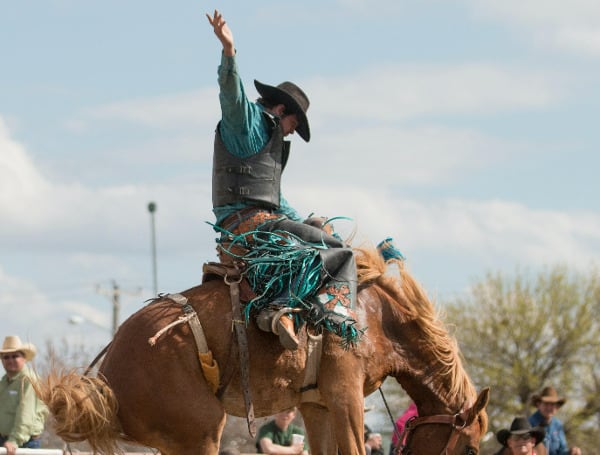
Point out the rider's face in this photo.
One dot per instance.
(289, 123)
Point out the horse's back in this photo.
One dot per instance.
(136, 370)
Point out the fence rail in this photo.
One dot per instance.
(74, 452)
(34, 451)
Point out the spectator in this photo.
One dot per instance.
(276, 436)
(547, 403)
(521, 439)
(411, 411)
(22, 414)
(373, 444)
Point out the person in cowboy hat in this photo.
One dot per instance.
(521, 438)
(22, 414)
(250, 154)
(547, 403)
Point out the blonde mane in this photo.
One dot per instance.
(412, 300)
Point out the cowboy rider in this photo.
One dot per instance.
(250, 154)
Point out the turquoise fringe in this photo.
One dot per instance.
(280, 264)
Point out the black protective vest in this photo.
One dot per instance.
(256, 179)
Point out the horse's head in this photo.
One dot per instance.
(457, 434)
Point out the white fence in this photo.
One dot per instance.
(61, 452)
(34, 451)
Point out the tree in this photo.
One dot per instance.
(521, 333)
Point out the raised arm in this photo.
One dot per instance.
(223, 32)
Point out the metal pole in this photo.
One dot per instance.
(152, 209)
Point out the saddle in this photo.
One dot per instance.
(227, 271)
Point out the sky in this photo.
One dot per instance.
(467, 130)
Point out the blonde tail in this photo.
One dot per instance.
(83, 409)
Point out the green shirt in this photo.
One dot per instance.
(277, 435)
(22, 414)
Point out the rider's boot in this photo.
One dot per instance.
(281, 323)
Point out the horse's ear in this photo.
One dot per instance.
(482, 400)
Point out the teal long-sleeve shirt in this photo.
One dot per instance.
(243, 130)
(22, 414)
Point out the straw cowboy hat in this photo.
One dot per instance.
(294, 99)
(12, 343)
(520, 425)
(548, 395)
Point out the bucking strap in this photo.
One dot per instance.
(232, 275)
(209, 365)
(240, 330)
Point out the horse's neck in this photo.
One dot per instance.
(428, 402)
(419, 367)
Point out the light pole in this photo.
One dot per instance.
(116, 306)
(152, 209)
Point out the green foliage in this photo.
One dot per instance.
(521, 333)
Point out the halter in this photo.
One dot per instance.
(457, 421)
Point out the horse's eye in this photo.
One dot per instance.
(470, 451)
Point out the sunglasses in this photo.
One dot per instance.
(521, 437)
(550, 404)
(11, 356)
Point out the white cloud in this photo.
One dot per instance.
(581, 40)
(398, 92)
(23, 307)
(385, 156)
(494, 232)
(383, 94)
(541, 12)
(39, 213)
(572, 26)
(173, 111)
(21, 185)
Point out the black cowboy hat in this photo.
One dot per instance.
(293, 98)
(520, 425)
(548, 395)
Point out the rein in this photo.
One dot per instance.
(457, 421)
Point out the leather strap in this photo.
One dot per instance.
(457, 422)
(309, 390)
(209, 365)
(239, 323)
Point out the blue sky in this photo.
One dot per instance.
(466, 130)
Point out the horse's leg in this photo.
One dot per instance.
(186, 428)
(319, 429)
(196, 431)
(341, 386)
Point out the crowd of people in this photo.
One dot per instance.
(541, 433)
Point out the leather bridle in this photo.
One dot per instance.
(458, 422)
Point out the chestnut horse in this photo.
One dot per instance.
(157, 396)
